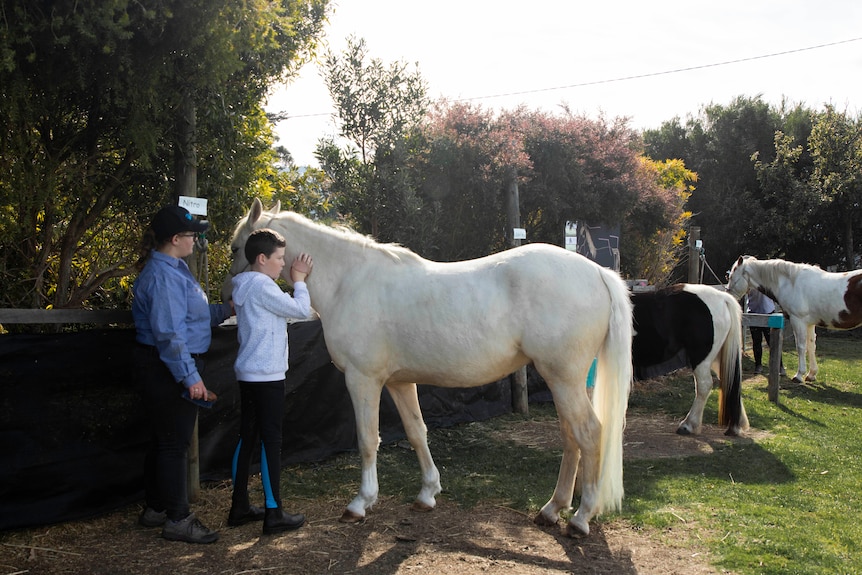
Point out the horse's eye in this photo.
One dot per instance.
(233, 250)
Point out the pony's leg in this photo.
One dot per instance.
(693, 422)
(581, 433)
(812, 360)
(406, 401)
(365, 395)
(800, 334)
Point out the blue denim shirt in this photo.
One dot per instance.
(171, 312)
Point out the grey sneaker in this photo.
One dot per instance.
(190, 530)
(152, 518)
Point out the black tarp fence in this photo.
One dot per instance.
(73, 437)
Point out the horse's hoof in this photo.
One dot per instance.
(543, 521)
(731, 433)
(810, 378)
(576, 532)
(796, 379)
(683, 431)
(350, 517)
(420, 507)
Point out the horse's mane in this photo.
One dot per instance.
(396, 252)
(771, 271)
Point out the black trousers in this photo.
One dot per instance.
(171, 421)
(758, 334)
(262, 412)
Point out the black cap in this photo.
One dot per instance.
(172, 220)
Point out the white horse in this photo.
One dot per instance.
(392, 318)
(808, 296)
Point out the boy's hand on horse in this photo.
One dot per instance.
(301, 267)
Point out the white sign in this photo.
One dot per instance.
(520, 234)
(196, 206)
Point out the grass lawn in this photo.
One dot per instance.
(787, 503)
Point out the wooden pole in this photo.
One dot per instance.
(186, 184)
(776, 344)
(775, 323)
(520, 395)
(693, 255)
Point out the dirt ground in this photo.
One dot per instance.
(392, 540)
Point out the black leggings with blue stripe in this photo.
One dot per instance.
(262, 411)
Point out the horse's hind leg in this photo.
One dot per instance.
(693, 422)
(365, 395)
(406, 401)
(581, 433)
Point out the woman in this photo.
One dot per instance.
(173, 320)
(758, 302)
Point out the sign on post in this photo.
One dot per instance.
(195, 206)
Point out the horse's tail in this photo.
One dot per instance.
(611, 392)
(730, 409)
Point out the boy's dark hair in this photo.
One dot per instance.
(263, 241)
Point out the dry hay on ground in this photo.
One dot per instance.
(392, 541)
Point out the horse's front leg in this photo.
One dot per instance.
(365, 395)
(693, 422)
(811, 342)
(800, 334)
(406, 401)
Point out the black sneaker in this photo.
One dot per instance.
(152, 518)
(190, 530)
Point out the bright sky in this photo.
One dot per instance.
(612, 57)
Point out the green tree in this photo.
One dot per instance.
(90, 96)
(783, 208)
(836, 151)
(376, 107)
(719, 145)
(654, 230)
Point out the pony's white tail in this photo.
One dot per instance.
(730, 408)
(611, 393)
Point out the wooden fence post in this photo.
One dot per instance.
(775, 323)
(693, 255)
(518, 380)
(776, 344)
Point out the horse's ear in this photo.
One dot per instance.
(254, 212)
(276, 208)
(739, 261)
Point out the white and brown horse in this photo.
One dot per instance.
(391, 318)
(696, 326)
(808, 296)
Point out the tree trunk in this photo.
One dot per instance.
(186, 159)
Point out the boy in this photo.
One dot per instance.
(262, 309)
